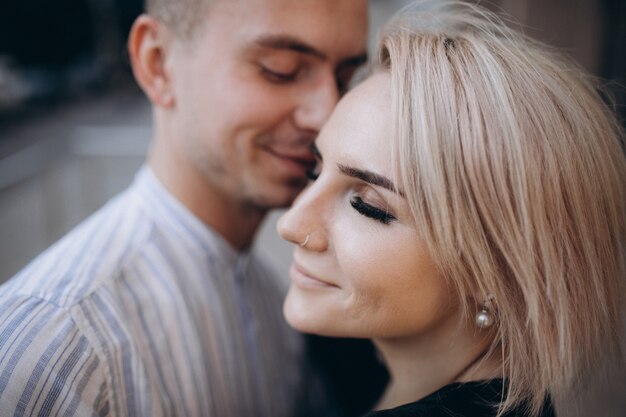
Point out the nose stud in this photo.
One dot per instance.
(306, 240)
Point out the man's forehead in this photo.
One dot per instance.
(303, 14)
(280, 6)
(303, 26)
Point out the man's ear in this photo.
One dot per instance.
(148, 46)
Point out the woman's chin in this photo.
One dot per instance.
(307, 318)
(295, 315)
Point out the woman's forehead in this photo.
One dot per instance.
(360, 124)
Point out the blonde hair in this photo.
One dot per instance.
(514, 172)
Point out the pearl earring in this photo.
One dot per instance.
(484, 318)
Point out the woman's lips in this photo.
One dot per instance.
(302, 278)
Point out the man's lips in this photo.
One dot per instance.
(302, 278)
(304, 158)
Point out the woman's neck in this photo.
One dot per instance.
(420, 365)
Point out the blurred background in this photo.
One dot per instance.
(74, 127)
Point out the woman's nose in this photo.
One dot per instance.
(303, 223)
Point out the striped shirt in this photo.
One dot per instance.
(142, 310)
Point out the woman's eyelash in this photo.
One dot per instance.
(370, 211)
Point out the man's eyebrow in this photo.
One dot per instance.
(369, 177)
(291, 43)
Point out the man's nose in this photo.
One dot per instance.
(316, 106)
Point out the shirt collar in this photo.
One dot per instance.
(170, 213)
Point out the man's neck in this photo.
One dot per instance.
(236, 221)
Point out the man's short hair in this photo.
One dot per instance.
(181, 16)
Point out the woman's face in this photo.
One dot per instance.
(364, 271)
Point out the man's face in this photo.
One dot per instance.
(253, 87)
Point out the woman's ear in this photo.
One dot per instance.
(148, 43)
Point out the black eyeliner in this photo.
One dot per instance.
(370, 211)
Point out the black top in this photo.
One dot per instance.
(471, 399)
(352, 377)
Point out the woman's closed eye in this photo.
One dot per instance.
(371, 211)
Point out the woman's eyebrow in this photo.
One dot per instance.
(369, 177)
